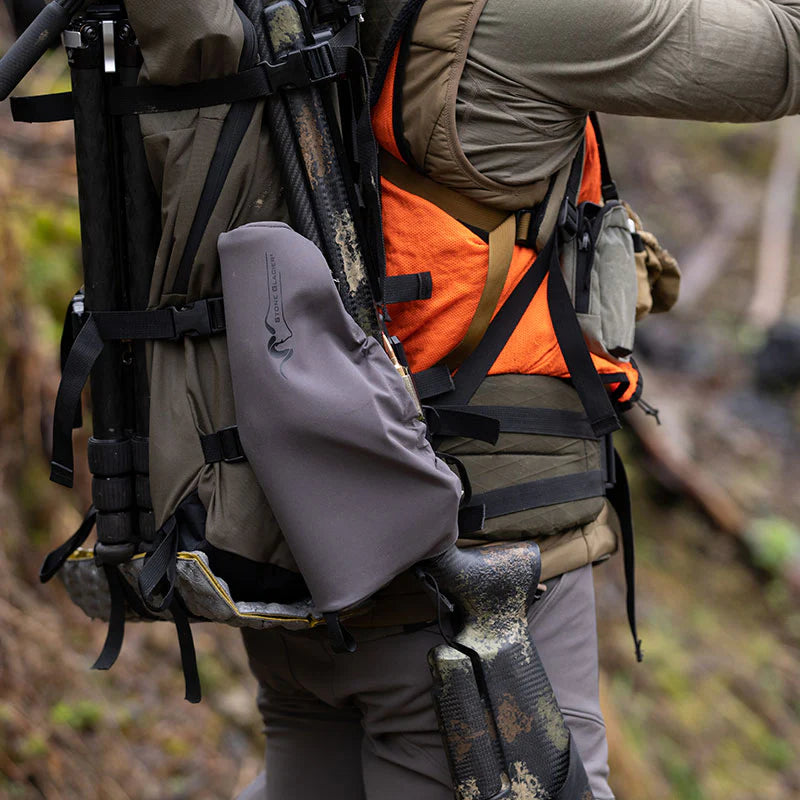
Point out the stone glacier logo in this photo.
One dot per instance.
(275, 321)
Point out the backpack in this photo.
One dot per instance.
(177, 129)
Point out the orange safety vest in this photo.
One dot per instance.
(421, 237)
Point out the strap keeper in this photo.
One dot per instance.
(609, 191)
(471, 519)
(223, 445)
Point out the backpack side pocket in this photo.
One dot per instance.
(599, 267)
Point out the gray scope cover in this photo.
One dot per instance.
(326, 422)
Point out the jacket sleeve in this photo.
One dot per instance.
(717, 60)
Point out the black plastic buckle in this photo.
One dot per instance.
(567, 220)
(302, 68)
(231, 445)
(191, 320)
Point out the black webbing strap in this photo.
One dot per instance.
(42, 108)
(406, 288)
(583, 374)
(72, 323)
(516, 419)
(341, 639)
(191, 676)
(536, 217)
(477, 365)
(461, 422)
(85, 349)
(116, 620)
(200, 318)
(534, 494)
(433, 382)
(251, 83)
(608, 187)
(367, 180)
(307, 67)
(57, 558)
(159, 566)
(619, 496)
(223, 445)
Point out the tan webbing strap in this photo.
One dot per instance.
(501, 250)
(456, 205)
(503, 233)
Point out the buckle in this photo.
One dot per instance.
(191, 319)
(231, 445)
(302, 68)
(567, 220)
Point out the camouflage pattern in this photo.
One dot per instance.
(334, 220)
(504, 734)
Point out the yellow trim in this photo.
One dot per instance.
(82, 554)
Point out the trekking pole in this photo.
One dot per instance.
(35, 41)
(91, 51)
(504, 734)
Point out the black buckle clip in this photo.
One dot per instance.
(567, 220)
(191, 319)
(231, 445)
(302, 68)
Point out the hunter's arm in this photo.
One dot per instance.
(534, 69)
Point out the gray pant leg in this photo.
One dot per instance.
(313, 745)
(564, 629)
(313, 700)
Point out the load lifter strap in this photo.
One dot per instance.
(200, 318)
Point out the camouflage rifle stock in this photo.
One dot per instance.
(504, 733)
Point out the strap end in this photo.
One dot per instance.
(61, 474)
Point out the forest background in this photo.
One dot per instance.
(714, 710)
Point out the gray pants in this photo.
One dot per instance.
(362, 726)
